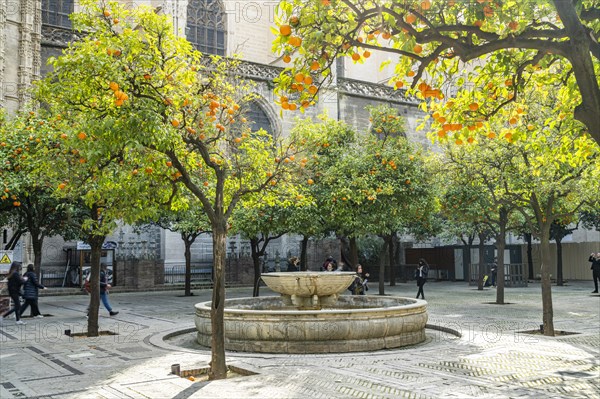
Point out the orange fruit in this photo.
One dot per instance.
(473, 106)
(367, 54)
(106, 13)
(295, 41)
(418, 49)
(399, 84)
(425, 5)
(62, 186)
(513, 25)
(287, 58)
(310, 181)
(175, 122)
(285, 30)
(411, 18)
(315, 66)
(356, 56)
(299, 77)
(410, 74)
(82, 136)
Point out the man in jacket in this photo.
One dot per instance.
(595, 259)
(30, 292)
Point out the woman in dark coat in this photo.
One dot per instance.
(15, 281)
(421, 276)
(30, 292)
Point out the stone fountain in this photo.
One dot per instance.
(310, 316)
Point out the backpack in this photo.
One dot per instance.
(86, 285)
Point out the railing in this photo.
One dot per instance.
(51, 278)
(200, 275)
(513, 274)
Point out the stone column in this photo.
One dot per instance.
(2, 46)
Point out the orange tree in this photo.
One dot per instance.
(26, 200)
(189, 221)
(148, 88)
(481, 187)
(260, 225)
(375, 183)
(109, 182)
(548, 178)
(487, 50)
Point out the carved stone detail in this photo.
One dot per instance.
(59, 37)
(2, 51)
(373, 90)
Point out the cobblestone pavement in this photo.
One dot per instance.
(491, 359)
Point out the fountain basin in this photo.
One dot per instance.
(355, 324)
(309, 290)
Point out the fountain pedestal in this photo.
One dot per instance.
(309, 290)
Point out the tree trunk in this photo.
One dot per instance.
(500, 245)
(548, 313)
(188, 266)
(392, 258)
(14, 239)
(218, 368)
(353, 250)
(93, 310)
(529, 256)
(382, 262)
(303, 253)
(256, 264)
(37, 241)
(559, 262)
(467, 261)
(481, 248)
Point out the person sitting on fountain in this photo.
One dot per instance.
(293, 264)
(359, 285)
(330, 264)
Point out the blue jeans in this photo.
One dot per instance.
(104, 298)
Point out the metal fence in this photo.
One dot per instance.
(513, 274)
(200, 274)
(51, 278)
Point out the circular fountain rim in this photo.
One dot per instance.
(416, 303)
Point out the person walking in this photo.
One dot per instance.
(360, 283)
(104, 287)
(15, 281)
(595, 259)
(30, 292)
(421, 276)
(494, 271)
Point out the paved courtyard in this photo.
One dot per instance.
(491, 358)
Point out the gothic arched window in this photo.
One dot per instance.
(206, 26)
(56, 13)
(259, 119)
